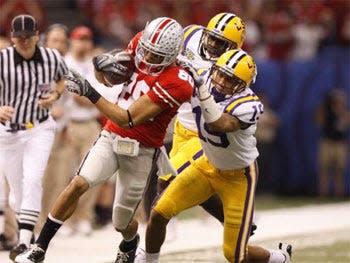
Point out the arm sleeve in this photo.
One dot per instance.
(247, 111)
(170, 91)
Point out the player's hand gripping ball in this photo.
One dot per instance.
(113, 69)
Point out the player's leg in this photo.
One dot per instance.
(187, 190)
(100, 163)
(236, 190)
(238, 200)
(131, 181)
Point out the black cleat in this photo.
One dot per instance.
(128, 256)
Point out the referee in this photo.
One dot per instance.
(27, 91)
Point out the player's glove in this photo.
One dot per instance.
(77, 84)
(203, 92)
(111, 62)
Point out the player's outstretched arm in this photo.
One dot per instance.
(140, 111)
(227, 123)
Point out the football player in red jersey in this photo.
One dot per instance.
(132, 138)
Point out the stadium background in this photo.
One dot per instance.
(296, 84)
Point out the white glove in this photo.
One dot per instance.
(203, 92)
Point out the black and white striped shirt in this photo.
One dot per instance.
(23, 82)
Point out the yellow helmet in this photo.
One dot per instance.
(237, 67)
(224, 32)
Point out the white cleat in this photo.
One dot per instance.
(286, 250)
(141, 257)
(34, 254)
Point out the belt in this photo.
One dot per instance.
(14, 127)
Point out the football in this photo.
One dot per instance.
(110, 78)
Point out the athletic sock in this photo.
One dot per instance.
(152, 257)
(48, 232)
(25, 236)
(127, 245)
(276, 256)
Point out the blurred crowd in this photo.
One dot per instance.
(276, 29)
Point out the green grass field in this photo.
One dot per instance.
(320, 247)
(337, 252)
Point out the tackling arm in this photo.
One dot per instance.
(140, 111)
(218, 121)
(226, 123)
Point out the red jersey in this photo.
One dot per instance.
(169, 89)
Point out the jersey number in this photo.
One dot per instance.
(186, 77)
(256, 109)
(218, 139)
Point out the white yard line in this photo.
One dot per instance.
(314, 220)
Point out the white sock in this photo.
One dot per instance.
(276, 256)
(24, 236)
(152, 257)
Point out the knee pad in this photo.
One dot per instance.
(125, 206)
(122, 216)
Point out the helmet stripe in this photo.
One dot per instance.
(165, 29)
(156, 35)
(223, 21)
(236, 58)
(231, 57)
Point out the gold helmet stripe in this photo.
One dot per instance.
(223, 21)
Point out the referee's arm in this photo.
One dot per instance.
(47, 100)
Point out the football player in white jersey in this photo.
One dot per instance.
(226, 164)
(202, 47)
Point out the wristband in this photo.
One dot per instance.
(203, 92)
(130, 122)
(210, 110)
(93, 95)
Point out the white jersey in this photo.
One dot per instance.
(190, 53)
(231, 150)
